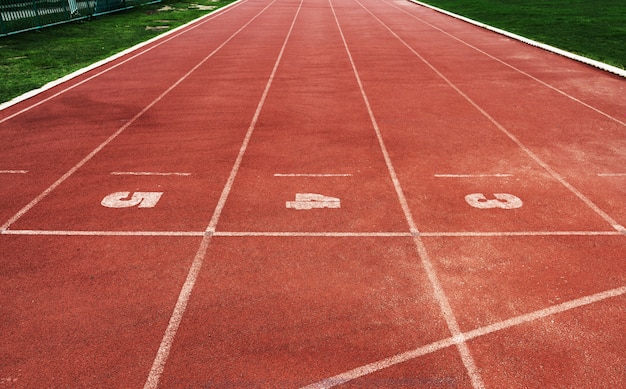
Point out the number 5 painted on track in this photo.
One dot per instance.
(503, 201)
(138, 199)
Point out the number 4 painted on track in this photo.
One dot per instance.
(308, 201)
(138, 199)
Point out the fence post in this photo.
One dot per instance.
(37, 13)
(2, 28)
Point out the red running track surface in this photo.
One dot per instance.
(308, 194)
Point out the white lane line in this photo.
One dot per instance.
(13, 171)
(181, 304)
(611, 174)
(471, 175)
(509, 65)
(440, 296)
(482, 331)
(80, 164)
(311, 175)
(606, 217)
(389, 234)
(101, 233)
(521, 233)
(175, 33)
(149, 174)
(315, 234)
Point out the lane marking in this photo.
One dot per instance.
(440, 296)
(477, 234)
(102, 233)
(80, 164)
(471, 175)
(163, 352)
(308, 201)
(482, 331)
(150, 174)
(311, 175)
(611, 174)
(176, 32)
(521, 233)
(511, 66)
(502, 201)
(13, 171)
(607, 218)
(315, 234)
(137, 199)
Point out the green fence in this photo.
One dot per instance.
(23, 15)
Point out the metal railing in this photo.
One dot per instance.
(24, 15)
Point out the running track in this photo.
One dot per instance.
(212, 273)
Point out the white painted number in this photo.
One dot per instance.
(313, 200)
(503, 200)
(138, 199)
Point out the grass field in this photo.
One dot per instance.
(592, 28)
(31, 59)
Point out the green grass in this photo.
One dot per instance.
(30, 60)
(592, 28)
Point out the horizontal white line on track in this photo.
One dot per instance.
(471, 175)
(13, 171)
(308, 234)
(611, 174)
(315, 234)
(149, 174)
(312, 175)
(102, 233)
(520, 233)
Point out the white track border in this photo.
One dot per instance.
(552, 49)
(105, 61)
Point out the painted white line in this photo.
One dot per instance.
(315, 234)
(311, 175)
(521, 233)
(35, 201)
(552, 49)
(176, 32)
(471, 175)
(509, 65)
(440, 296)
(611, 174)
(13, 171)
(102, 233)
(361, 371)
(181, 304)
(149, 174)
(515, 140)
(152, 382)
(311, 234)
(436, 346)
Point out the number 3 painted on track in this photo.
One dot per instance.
(503, 201)
(139, 199)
